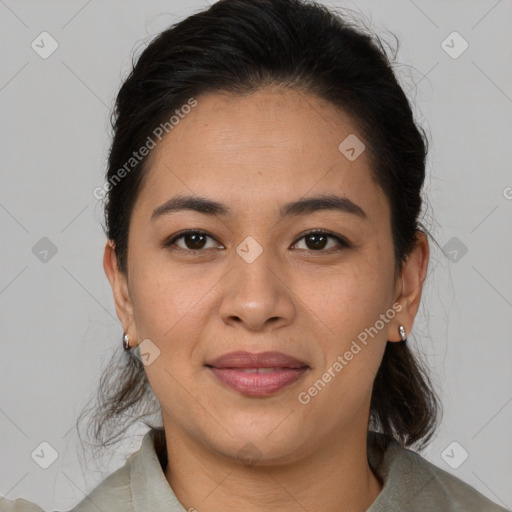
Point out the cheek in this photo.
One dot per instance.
(349, 299)
(168, 314)
(170, 311)
(352, 343)
(346, 310)
(163, 299)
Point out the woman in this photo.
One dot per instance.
(267, 262)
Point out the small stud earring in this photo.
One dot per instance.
(126, 341)
(403, 337)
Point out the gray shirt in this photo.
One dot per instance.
(411, 484)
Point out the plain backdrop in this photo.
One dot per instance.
(58, 322)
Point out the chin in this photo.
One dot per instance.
(257, 441)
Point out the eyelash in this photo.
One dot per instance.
(342, 241)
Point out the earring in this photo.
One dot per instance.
(401, 331)
(126, 341)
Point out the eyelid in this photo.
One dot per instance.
(168, 242)
(342, 241)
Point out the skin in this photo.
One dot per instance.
(254, 153)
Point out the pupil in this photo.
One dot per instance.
(316, 239)
(195, 240)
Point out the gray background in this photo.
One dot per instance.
(58, 322)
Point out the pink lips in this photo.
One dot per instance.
(257, 374)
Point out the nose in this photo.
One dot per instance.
(257, 294)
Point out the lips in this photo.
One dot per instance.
(242, 359)
(257, 375)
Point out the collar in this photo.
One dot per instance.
(151, 491)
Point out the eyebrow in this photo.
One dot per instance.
(294, 208)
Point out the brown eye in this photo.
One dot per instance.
(190, 241)
(318, 240)
(194, 241)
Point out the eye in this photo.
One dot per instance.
(193, 240)
(317, 240)
(196, 241)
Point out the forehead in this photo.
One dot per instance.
(257, 151)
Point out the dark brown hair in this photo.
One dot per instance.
(237, 47)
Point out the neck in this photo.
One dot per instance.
(333, 477)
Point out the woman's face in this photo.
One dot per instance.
(255, 281)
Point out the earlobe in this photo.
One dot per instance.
(120, 291)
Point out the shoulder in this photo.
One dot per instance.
(140, 483)
(18, 505)
(112, 494)
(451, 492)
(414, 484)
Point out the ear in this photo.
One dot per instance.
(409, 286)
(120, 289)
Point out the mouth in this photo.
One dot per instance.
(257, 375)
